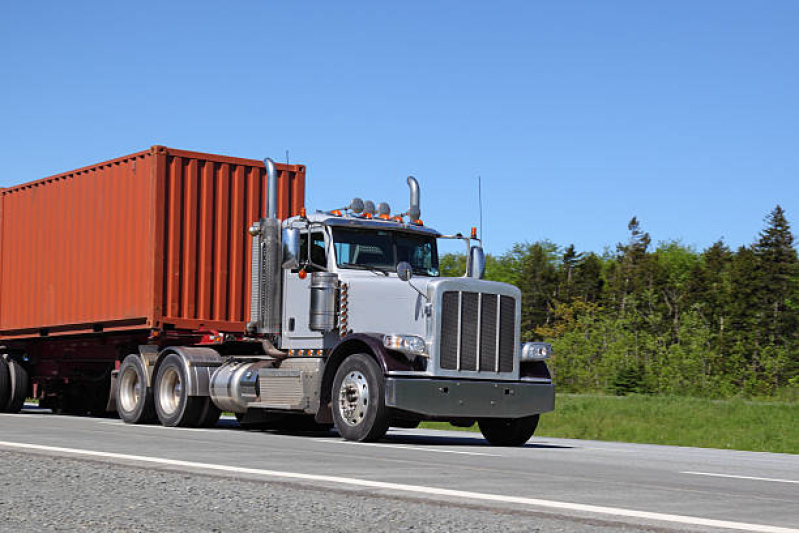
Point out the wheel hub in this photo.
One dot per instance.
(353, 399)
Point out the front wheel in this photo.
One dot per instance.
(508, 431)
(359, 408)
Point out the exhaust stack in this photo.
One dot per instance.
(414, 213)
(271, 188)
(267, 261)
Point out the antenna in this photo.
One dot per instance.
(480, 202)
(287, 156)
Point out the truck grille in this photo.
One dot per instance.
(477, 332)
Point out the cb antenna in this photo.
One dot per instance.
(287, 156)
(480, 201)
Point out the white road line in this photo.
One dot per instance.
(416, 489)
(406, 447)
(742, 477)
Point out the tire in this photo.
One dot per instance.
(508, 431)
(5, 384)
(19, 387)
(358, 397)
(173, 405)
(210, 414)
(134, 398)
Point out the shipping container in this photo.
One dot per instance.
(155, 240)
(150, 248)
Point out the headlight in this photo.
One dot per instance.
(536, 351)
(410, 344)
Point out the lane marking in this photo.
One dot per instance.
(742, 477)
(416, 489)
(406, 447)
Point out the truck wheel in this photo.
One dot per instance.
(5, 384)
(508, 431)
(210, 414)
(359, 407)
(134, 398)
(19, 387)
(175, 408)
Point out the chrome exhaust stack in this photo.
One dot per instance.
(271, 188)
(414, 213)
(267, 261)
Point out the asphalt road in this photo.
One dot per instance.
(414, 480)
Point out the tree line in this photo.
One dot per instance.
(662, 318)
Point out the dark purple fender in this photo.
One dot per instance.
(368, 343)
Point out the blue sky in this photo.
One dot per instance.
(577, 115)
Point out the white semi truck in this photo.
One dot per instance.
(351, 322)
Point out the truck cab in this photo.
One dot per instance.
(397, 343)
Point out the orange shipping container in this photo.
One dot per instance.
(152, 240)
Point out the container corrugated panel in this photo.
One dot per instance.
(156, 239)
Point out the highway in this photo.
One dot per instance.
(548, 485)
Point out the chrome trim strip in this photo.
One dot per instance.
(477, 350)
(499, 329)
(460, 321)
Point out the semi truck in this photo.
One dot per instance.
(170, 286)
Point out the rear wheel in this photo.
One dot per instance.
(19, 387)
(210, 414)
(175, 408)
(134, 397)
(5, 384)
(508, 431)
(359, 408)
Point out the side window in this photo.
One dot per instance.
(318, 252)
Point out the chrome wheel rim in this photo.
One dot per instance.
(353, 398)
(170, 391)
(130, 390)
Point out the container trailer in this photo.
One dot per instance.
(168, 286)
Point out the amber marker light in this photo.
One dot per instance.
(302, 274)
(302, 212)
(474, 232)
(418, 222)
(336, 212)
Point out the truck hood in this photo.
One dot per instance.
(385, 304)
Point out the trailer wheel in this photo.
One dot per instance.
(174, 406)
(19, 387)
(359, 407)
(508, 431)
(134, 398)
(5, 384)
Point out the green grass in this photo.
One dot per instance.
(738, 424)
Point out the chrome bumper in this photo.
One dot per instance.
(442, 398)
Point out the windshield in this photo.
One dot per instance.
(382, 250)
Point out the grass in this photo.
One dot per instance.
(737, 424)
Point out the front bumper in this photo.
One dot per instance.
(444, 398)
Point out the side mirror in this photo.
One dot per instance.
(404, 271)
(477, 262)
(291, 248)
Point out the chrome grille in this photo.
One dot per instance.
(477, 332)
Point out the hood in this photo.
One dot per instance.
(385, 304)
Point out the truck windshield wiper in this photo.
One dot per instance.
(367, 267)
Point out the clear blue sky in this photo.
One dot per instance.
(578, 115)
